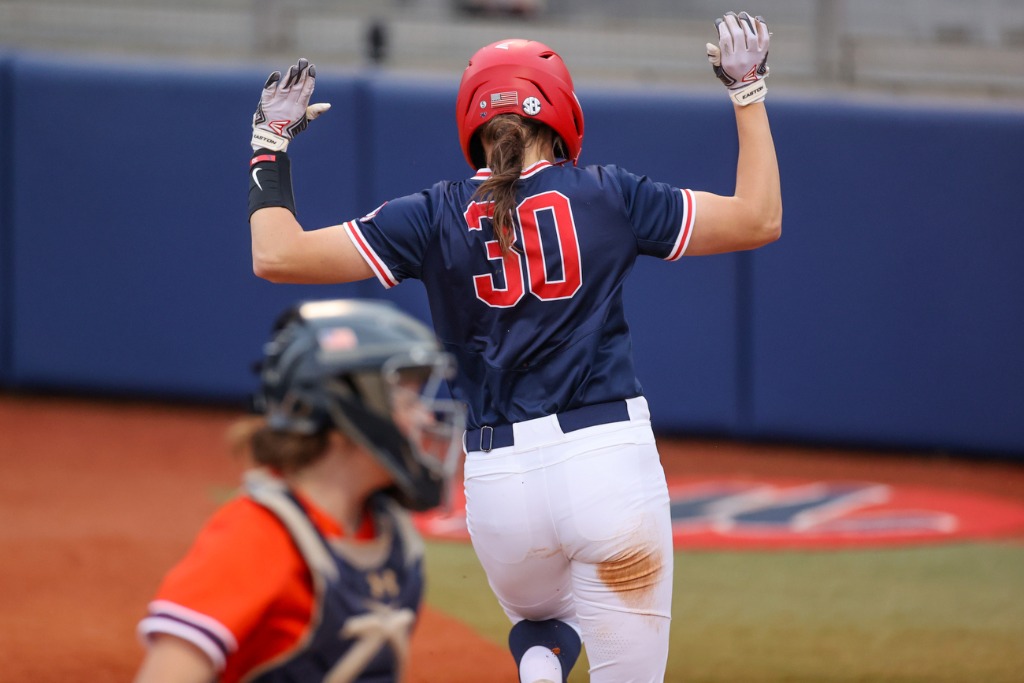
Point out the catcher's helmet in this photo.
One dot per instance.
(375, 374)
(517, 77)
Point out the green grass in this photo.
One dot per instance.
(939, 614)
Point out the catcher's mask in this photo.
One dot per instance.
(522, 77)
(374, 373)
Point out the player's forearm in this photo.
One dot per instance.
(285, 253)
(275, 236)
(757, 173)
(173, 660)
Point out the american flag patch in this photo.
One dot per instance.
(337, 339)
(505, 99)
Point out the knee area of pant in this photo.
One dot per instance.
(558, 636)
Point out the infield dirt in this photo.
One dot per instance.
(99, 498)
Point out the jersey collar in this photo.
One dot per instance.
(330, 527)
(529, 171)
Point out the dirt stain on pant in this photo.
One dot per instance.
(633, 574)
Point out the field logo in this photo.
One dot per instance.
(731, 513)
(777, 514)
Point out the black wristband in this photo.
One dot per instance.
(270, 181)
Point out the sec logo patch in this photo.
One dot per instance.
(531, 106)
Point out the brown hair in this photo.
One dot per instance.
(508, 135)
(282, 451)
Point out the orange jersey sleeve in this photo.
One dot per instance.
(242, 594)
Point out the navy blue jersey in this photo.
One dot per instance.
(542, 329)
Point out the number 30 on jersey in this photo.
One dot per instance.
(537, 275)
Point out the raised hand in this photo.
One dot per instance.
(740, 60)
(284, 110)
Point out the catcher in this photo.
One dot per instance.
(314, 572)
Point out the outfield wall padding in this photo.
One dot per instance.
(893, 309)
(131, 245)
(891, 312)
(6, 246)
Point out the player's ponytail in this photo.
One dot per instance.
(508, 137)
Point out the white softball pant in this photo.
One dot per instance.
(577, 527)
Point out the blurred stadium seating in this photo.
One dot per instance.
(898, 47)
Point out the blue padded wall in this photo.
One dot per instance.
(6, 204)
(130, 229)
(892, 310)
(890, 313)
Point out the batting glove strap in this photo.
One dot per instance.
(749, 94)
(264, 139)
(270, 181)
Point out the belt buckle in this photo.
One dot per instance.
(487, 429)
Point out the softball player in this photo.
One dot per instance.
(314, 573)
(524, 264)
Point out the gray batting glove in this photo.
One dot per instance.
(284, 110)
(740, 60)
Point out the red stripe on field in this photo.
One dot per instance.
(770, 514)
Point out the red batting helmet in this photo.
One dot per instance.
(517, 77)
